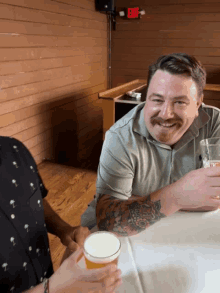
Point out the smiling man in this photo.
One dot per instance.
(171, 106)
(150, 165)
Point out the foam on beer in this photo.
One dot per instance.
(102, 247)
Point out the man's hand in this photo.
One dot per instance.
(198, 190)
(73, 237)
(71, 278)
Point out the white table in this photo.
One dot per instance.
(180, 253)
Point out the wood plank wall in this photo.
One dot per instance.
(53, 63)
(168, 26)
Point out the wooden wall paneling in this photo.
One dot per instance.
(20, 67)
(140, 68)
(26, 124)
(12, 54)
(80, 42)
(212, 96)
(54, 98)
(177, 26)
(171, 25)
(59, 13)
(213, 74)
(41, 147)
(92, 116)
(43, 156)
(44, 17)
(108, 107)
(119, 80)
(215, 103)
(161, 28)
(95, 24)
(123, 76)
(6, 11)
(151, 18)
(170, 2)
(80, 106)
(30, 132)
(175, 7)
(123, 44)
(89, 132)
(16, 54)
(41, 150)
(83, 4)
(43, 120)
(52, 54)
(67, 121)
(32, 89)
(25, 91)
(79, 120)
(149, 51)
(95, 29)
(134, 64)
(89, 149)
(40, 138)
(33, 77)
(139, 73)
(164, 34)
(136, 60)
(15, 40)
(50, 5)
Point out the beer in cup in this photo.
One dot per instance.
(101, 249)
(210, 148)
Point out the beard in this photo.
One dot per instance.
(165, 134)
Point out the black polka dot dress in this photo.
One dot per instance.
(24, 247)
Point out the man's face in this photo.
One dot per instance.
(171, 106)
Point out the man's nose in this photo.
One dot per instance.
(167, 111)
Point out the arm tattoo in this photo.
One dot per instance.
(127, 217)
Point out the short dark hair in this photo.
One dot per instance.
(181, 64)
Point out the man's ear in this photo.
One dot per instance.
(202, 98)
(199, 102)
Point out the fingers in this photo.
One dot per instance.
(66, 254)
(109, 284)
(212, 172)
(112, 282)
(77, 255)
(117, 284)
(113, 279)
(73, 246)
(81, 234)
(101, 287)
(99, 274)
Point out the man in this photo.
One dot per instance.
(150, 165)
(25, 218)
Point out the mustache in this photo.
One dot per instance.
(169, 121)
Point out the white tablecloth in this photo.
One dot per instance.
(180, 253)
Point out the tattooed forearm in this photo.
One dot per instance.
(128, 217)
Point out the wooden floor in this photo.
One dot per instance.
(70, 191)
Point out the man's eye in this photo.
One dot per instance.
(181, 103)
(158, 101)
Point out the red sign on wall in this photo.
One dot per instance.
(133, 12)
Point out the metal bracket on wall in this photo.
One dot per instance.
(112, 17)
